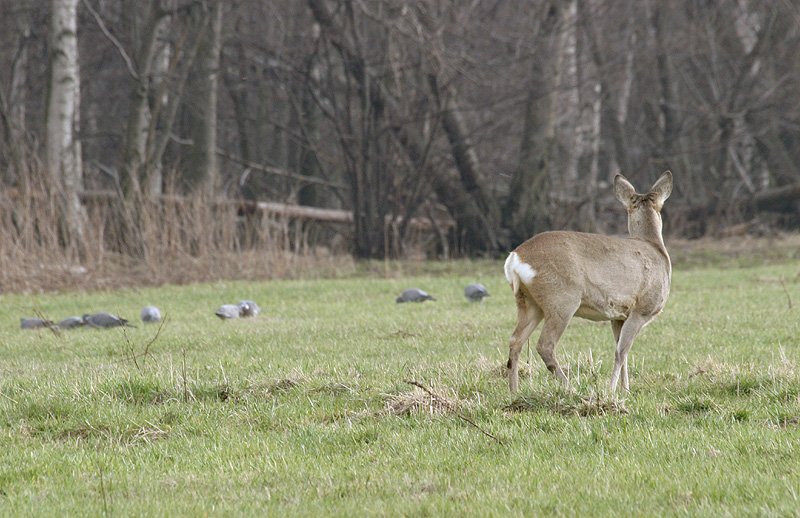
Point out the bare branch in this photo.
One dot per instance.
(112, 39)
(456, 412)
(281, 172)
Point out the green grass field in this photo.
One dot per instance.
(306, 410)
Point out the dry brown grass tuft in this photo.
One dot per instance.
(420, 401)
(284, 384)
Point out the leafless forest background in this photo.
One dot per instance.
(181, 140)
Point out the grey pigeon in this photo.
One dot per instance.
(414, 295)
(104, 320)
(34, 323)
(70, 323)
(475, 292)
(150, 314)
(228, 311)
(248, 308)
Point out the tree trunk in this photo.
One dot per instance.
(615, 112)
(133, 175)
(527, 209)
(63, 141)
(12, 113)
(670, 149)
(466, 161)
(591, 93)
(569, 128)
(202, 169)
(171, 89)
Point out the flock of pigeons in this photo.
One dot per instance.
(473, 292)
(244, 309)
(101, 320)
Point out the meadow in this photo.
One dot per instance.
(336, 401)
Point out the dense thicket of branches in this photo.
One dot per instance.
(507, 118)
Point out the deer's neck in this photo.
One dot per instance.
(650, 230)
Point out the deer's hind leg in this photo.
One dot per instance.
(528, 317)
(616, 328)
(630, 328)
(554, 326)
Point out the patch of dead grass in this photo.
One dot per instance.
(570, 404)
(442, 401)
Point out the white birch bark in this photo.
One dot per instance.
(579, 127)
(135, 178)
(63, 142)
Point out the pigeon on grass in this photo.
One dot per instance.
(476, 292)
(150, 314)
(248, 308)
(105, 320)
(34, 323)
(71, 323)
(228, 311)
(414, 295)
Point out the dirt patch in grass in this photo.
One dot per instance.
(498, 369)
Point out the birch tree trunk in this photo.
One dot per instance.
(134, 177)
(669, 120)
(623, 101)
(63, 142)
(168, 98)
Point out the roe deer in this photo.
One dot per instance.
(557, 275)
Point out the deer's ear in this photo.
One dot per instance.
(662, 188)
(623, 190)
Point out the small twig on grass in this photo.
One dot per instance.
(453, 410)
(132, 355)
(158, 332)
(47, 323)
(786, 291)
(103, 489)
(185, 390)
(10, 398)
(131, 352)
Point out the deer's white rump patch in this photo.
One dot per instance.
(517, 271)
